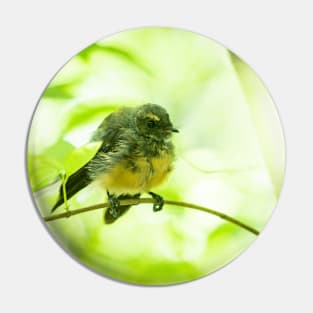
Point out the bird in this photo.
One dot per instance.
(136, 154)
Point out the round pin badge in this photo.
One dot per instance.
(155, 156)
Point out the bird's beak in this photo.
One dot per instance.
(174, 130)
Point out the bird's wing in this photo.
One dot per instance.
(100, 162)
(114, 148)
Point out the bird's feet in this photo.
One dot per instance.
(158, 205)
(114, 206)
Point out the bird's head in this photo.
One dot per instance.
(153, 121)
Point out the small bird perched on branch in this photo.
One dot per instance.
(135, 156)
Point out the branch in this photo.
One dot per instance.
(149, 200)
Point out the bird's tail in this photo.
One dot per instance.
(109, 218)
(74, 183)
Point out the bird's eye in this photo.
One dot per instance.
(151, 123)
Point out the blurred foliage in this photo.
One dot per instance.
(230, 153)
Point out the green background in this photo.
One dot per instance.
(230, 153)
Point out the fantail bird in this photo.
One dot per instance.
(135, 156)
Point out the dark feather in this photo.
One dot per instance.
(75, 183)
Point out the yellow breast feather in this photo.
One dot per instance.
(146, 173)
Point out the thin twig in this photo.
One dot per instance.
(149, 200)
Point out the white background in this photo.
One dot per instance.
(275, 273)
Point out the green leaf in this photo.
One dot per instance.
(84, 113)
(45, 169)
(59, 151)
(42, 171)
(80, 156)
(118, 52)
(87, 52)
(58, 92)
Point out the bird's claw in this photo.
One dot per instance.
(158, 205)
(114, 205)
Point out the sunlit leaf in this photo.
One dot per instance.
(87, 52)
(59, 92)
(81, 114)
(59, 151)
(80, 156)
(42, 171)
(117, 52)
(45, 168)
